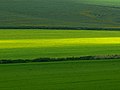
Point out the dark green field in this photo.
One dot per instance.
(72, 75)
(60, 13)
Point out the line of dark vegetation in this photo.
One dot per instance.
(99, 57)
(58, 28)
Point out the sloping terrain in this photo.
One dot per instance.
(60, 13)
(115, 3)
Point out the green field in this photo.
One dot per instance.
(60, 13)
(29, 44)
(102, 2)
(72, 75)
(59, 44)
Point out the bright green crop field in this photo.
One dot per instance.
(29, 44)
(69, 75)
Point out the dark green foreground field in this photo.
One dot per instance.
(72, 75)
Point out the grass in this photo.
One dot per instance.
(29, 44)
(62, 13)
(115, 3)
(12, 34)
(41, 43)
(72, 75)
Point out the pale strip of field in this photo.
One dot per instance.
(56, 42)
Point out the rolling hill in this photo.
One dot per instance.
(60, 13)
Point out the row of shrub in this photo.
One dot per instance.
(59, 27)
(99, 57)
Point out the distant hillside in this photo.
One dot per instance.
(115, 3)
(60, 13)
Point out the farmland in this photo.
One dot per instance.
(60, 13)
(59, 44)
(30, 44)
(72, 75)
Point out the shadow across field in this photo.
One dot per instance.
(97, 57)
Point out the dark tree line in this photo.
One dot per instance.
(58, 28)
(99, 57)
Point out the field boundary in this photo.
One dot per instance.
(97, 57)
(59, 28)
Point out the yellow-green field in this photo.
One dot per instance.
(29, 43)
(26, 44)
